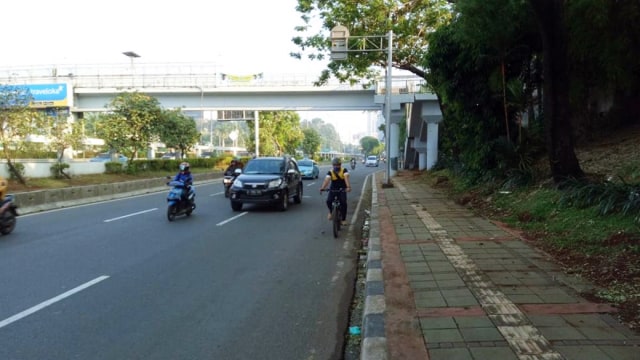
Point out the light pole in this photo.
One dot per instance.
(131, 55)
(339, 51)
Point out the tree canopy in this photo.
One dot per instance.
(177, 130)
(370, 145)
(17, 121)
(329, 137)
(132, 123)
(311, 142)
(279, 132)
(410, 20)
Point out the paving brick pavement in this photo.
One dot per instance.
(457, 286)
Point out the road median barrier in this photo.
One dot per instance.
(43, 200)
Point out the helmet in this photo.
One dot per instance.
(184, 166)
(3, 187)
(336, 161)
(233, 162)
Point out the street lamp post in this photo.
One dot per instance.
(387, 116)
(339, 51)
(131, 55)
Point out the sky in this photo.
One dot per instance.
(240, 36)
(246, 36)
(351, 125)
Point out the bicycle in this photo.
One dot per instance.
(336, 215)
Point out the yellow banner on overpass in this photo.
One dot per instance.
(241, 78)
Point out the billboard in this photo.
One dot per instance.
(48, 95)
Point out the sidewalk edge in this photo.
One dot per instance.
(374, 341)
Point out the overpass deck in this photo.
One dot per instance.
(201, 87)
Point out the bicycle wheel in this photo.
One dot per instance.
(335, 213)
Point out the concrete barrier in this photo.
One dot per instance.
(43, 200)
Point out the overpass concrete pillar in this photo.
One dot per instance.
(432, 145)
(257, 133)
(432, 115)
(422, 161)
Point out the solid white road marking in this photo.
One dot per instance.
(129, 215)
(231, 219)
(51, 301)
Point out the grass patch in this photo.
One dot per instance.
(34, 184)
(602, 246)
(541, 211)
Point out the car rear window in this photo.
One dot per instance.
(305, 163)
(264, 167)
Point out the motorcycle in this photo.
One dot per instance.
(177, 205)
(8, 214)
(353, 165)
(228, 180)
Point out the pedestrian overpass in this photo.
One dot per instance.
(201, 87)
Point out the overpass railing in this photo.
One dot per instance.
(185, 75)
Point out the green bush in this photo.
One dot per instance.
(19, 167)
(57, 169)
(113, 167)
(607, 197)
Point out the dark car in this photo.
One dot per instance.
(309, 169)
(268, 181)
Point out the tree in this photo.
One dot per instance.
(505, 42)
(410, 20)
(62, 135)
(311, 142)
(465, 71)
(177, 130)
(17, 121)
(551, 19)
(279, 133)
(369, 144)
(132, 123)
(329, 137)
(461, 64)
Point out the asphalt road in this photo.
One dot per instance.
(116, 280)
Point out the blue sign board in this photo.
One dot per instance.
(48, 95)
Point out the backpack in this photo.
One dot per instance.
(337, 176)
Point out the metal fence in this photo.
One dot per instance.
(184, 75)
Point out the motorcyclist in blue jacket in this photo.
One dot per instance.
(184, 175)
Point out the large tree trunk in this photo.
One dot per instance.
(550, 15)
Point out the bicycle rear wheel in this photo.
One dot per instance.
(335, 213)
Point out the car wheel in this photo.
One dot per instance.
(298, 198)
(236, 206)
(284, 202)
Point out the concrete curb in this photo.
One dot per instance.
(44, 200)
(374, 341)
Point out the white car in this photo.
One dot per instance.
(371, 161)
